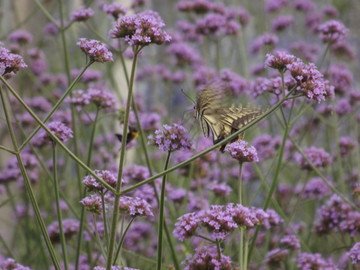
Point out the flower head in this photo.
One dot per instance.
(21, 37)
(70, 228)
(207, 258)
(309, 261)
(141, 29)
(82, 14)
(93, 203)
(102, 98)
(96, 50)
(279, 60)
(186, 226)
(318, 157)
(332, 31)
(354, 253)
(11, 264)
(242, 151)
(10, 62)
(92, 184)
(58, 129)
(134, 206)
(171, 138)
(114, 9)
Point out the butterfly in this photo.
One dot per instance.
(132, 134)
(215, 118)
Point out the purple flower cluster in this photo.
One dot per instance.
(266, 145)
(266, 39)
(58, 129)
(242, 151)
(171, 138)
(305, 50)
(279, 60)
(115, 267)
(219, 220)
(93, 204)
(141, 29)
(207, 258)
(354, 253)
(318, 157)
(183, 54)
(21, 37)
(102, 98)
(97, 51)
(315, 189)
(114, 9)
(134, 206)
(11, 264)
(220, 189)
(70, 228)
(310, 81)
(309, 261)
(290, 241)
(281, 23)
(346, 145)
(336, 216)
(275, 257)
(332, 31)
(216, 24)
(10, 62)
(82, 14)
(275, 5)
(135, 173)
(233, 82)
(92, 184)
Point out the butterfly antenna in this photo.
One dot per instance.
(186, 95)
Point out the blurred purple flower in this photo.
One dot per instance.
(347, 144)
(318, 157)
(82, 14)
(114, 9)
(58, 129)
(266, 39)
(21, 37)
(331, 31)
(354, 253)
(276, 257)
(92, 184)
(310, 261)
(10, 62)
(275, 5)
(134, 206)
(279, 60)
(281, 23)
(290, 242)
(93, 204)
(315, 189)
(70, 228)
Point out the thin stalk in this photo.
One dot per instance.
(324, 55)
(56, 106)
(82, 214)
(240, 182)
(241, 253)
(7, 150)
(121, 164)
(218, 248)
(58, 209)
(117, 253)
(28, 183)
(46, 13)
(206, 238)
(215, 146)
(161, 214)
(54, 138)
(105, 220)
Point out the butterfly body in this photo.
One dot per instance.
(218, 120)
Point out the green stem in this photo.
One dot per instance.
(56, 106)
(121, 163)
(215, 146)
(117, 253)
(28, 183)
(7, 150)
(104, 219)
(46, 13)
(161, 214)
(58, 209)
(218, 248)
(82, 214)
(324, 55)
(240, 182)
(54, 138)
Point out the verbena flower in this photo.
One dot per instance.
(102, 98)
(136, 173)
(275, 5)
(150, 121)
(183, 54)
(242, 151)
(354, 253)
(171, 138)
(290, 242)
(82, 14)
(341, 78)
(93, 204)
(10, 62)
(265, 145)
(216, 24)
(134, 206)
(318, 157)
(346, 145)
(70, 228)
(207, 258)
(309, 261)
(276, 257)
(21, 37)
(59, 129)
(279, 60)
(281, 22)
(310, 80)
(304, 5)
(315, 189)
(271, 219)
(266, 39)
(79, 98)
(139, 233)
(186, 226)
(90, 75)
(233, 82)
(11, 264)
(96, 50)
(332, 31)
(92, 184)
(141, 29)
(220, 189)
(114, 9)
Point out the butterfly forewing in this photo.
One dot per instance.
(222, 121)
